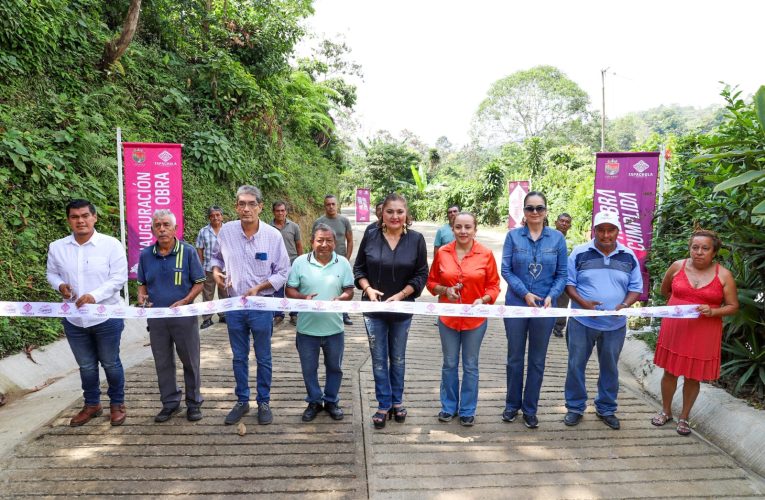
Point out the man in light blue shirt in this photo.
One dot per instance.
(605, 275)
(445, 234)
(321, 275)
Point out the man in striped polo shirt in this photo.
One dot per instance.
(604, 275)
(170, 275)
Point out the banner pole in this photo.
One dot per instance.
(662, 161)
(122, 203)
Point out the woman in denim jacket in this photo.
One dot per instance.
(534, 260)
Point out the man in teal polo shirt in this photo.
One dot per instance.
(321, 275)
(445, 233)
(171, 275)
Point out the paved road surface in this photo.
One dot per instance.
(349, 459)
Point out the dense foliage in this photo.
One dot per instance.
(528, 103)
(699, 167)
(212, 75)
(715, 177)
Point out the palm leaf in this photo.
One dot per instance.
(759, 106)
(744, 178)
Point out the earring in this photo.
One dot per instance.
(404, 229)
(384, 228)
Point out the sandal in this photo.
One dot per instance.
(380, 418)
(661, 418)
(399, 413)
(683, 427)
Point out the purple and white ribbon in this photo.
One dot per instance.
(68, 309)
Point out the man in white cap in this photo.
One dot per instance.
(603, 274)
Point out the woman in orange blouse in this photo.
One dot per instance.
(463, 272)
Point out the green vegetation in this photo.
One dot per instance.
(715, 182)
(214, 75)
(218, 77)
(716, 177)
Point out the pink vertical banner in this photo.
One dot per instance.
(625, 183)
(362, 205)
(153, 181)
(517, 191)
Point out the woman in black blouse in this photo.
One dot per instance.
(392, 265)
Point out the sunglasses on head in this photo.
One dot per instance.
(538, 208)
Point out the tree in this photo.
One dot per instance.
(387, 164)
(413, 141)
(629, 131)
(330, 64)
(116, 47)
(535, 149)
(434, 159)
(443, 145)
(527, 104)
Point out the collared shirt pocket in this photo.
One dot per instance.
(550, 256)
(96, 265)
(521, 258)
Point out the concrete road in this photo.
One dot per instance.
(421, 458)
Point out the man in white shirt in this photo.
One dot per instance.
(87, 267)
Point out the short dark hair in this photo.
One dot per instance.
(454, 206)
(278, 203)
(329, 196)
(80, 203)
(565, 214)
(249, 190)
(322, 227)
(698, 231)
(534, 193)
(546, 222)
(214, 208)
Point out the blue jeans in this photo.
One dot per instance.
(241, 325)
(518, 330)
(308, 347)
(452, 398)
(280, 314)
(581, 340)
(93, 345)
(387, 342)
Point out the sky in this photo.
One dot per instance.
(429, 63)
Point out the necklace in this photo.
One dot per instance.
(535, 269)
(693, 278)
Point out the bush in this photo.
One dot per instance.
(698, 165)
(227, 94)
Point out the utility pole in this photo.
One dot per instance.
(603, 115)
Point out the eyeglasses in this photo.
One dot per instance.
(538, 208)
(245, 204)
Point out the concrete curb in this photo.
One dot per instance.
(722, 419)
(36, 399)
(18, 374)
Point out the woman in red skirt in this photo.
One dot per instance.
(691, 347)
